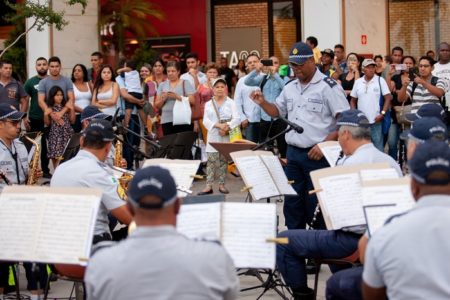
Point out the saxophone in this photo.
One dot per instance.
(34, 163)
(126, 177)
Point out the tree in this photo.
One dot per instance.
(42, 14)
(129, 17)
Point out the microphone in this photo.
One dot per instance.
(296, 127)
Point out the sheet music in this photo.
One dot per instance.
(246, 226)
(376, 174)
(341, 196)
(276, 170)
(377, 215)
(331, 151)
(256, 175)
(181, 170)
(47, 227)
(200, 221)
(398, 197)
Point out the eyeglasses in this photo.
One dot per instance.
(13, 122)
(424, 66)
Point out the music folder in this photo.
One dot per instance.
(262, 174)
(340, 192)
(242, 228)
(48, 225)
(331, 151)
(226, 148)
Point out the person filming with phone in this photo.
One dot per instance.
(422, 87)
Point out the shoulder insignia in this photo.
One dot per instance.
(330, 81)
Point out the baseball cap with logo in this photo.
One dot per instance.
(368, 62)
(92, 112)
(430, 163)
(8, 111)
(353, 117)
(300, 53)
(152, 181)
(328, 52)
(99, 129)
(427, 110)
(425, 129)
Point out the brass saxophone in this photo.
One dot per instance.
(126, 177)
(34, 164)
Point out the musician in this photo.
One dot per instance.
(424, 129)
(14, 170)
(408, 258)
(354, 138)
(88, 169)
(155, 261)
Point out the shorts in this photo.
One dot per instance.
(129, 105)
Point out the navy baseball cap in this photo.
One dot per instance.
(300, 53)
(99, 129)
(8, 111)
(426, 128)
(429, 157)
(427, 110)
(92, 112)
(155, 181)
(353, 117)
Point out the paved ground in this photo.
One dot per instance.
(61, 289)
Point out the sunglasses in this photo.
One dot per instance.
(13, 122)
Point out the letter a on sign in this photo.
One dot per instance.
(363, 39)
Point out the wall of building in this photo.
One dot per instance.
(367, 18)
(236, 16)
(74, 44)
(414, 31)
(322, 19)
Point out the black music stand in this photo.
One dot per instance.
(72, 147)
(177, 146)
(203, 199)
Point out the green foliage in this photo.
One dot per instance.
(144, 55)
(130, 17)
(42, 14)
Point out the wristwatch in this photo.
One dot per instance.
(383, 112)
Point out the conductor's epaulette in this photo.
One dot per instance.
(330, 81)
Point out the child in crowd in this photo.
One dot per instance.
(134, 88)
(60, 131)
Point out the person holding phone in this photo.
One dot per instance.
(424, 88)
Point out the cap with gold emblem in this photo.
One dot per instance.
(300, 53)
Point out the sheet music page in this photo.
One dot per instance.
(341, 196)
(274, 166)
(255, 174)
(66, 231)
(376, 174)
(181, 170)
(377, 215)
(331, 151)
(47, 227)
(200, 221)
(398, 196)
(246, 226)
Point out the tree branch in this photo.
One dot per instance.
(18, 38)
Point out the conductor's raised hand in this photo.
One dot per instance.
(257, 97)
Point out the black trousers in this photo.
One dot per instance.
(38, 125)
(169, 128)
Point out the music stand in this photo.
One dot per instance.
(72, 147)
(203, 199)
(226, 148)
(166, 143)
(182, 146)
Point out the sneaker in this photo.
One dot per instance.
(47, 175)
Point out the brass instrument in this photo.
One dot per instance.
(126, 177)
(34, 164)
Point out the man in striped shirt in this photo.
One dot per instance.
(425, 88)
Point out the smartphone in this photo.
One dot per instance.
(413, 72)
(267, 62)
(400, 67)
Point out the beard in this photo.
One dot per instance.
(42, 72)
